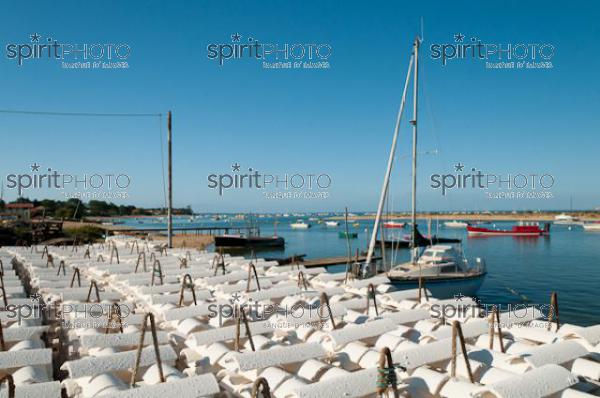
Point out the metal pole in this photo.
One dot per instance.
(414, 153)
(170, 204)
(386, 180)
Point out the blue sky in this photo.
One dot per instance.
(337, 121)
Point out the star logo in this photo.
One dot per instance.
(36, 297)
(459, 167)
(235, 297)
(458, 297)
(459, 37)
(235, 167)
(35, 167)
(35, 38)
(236, 37)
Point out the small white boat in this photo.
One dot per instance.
(332, 223)
(300, 224)
(455, 224)
(592, 226)
(565, 219)
(444, 270)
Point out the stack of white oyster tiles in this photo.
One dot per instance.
(129, 319)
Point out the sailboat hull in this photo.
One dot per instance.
(250, 241)
(441, 287)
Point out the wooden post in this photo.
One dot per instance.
(457, 332)
(553, 311)
(170, 183)
(114, 251)
(141, 346)
(62, 266)
(324, 300)
(76, 273)
(157, 271)
(495, 317)
(382, 244)
(141, 256)
(423, 289)
(190, 285)
(251, 268)
(371, 295)
(11, 385)
(95, 286)
(2, 343)
(386, 374)
(261, 385)
(242, 316)
(302, 280)
(348, 247)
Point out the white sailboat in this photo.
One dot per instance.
(565, 219)
(332, 224)
(455, 224)
(300, 224)
(444, 269)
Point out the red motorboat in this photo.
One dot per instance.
(393, 224)
(522, 229)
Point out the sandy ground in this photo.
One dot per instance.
(179, 240)
(188, 240)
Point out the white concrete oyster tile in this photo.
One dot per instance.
(90, 366)
(226, 333)
(120, 339)
(17, 359)
(558, 353)
(354, 384)
(539, 382)
(37, 390)
(340, 337)
(17, 333)
(425, 382)
(275, 356)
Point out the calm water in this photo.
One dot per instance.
(520, 270)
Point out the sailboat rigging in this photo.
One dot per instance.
(444, 268)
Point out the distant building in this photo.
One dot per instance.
(20, 211)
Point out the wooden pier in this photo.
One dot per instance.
(329, 261)
(195, 230)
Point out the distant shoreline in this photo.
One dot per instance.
(504, 216)
(545, 216)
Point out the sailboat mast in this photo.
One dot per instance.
(386, 180)
(414, 152)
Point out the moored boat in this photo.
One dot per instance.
(444, 271)
(565, 219)
(393, 224)
(592, 226)
(300, 224)
(249, 241)
(332, 223)
(420, 241)
(521, 229)
(350, 235)
(455, 224)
